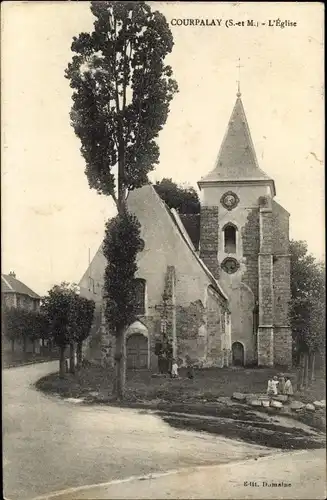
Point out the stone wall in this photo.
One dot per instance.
(191, 332)
(282, 287)
(265, 262)
(251, 247)
(283, 346)
(215, 355)
(209, 227)
(22, 301)
(9, 299)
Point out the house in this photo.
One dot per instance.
(16, 294)
(217, 284)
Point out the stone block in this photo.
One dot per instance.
(319, 405)
(256, 402)
(265, 403)
(276, 404)
(310, 407)
(239, 396)
(297, 405)
(281, 397)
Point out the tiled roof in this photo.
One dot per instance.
(237, 158)
(9, 284)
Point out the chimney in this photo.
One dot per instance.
(13, 274)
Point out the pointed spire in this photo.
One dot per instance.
(237, 160)
(239, 78)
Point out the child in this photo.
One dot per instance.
(274, 385)
(282, 384)
(288, 388)
(270, 389)
(174, 369)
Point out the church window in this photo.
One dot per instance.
(230, 265)
(139, 290)
(230, 239)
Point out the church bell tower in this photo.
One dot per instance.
(240, 226)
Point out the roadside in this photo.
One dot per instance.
(18, 358)
(298, 475)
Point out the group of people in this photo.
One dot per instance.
(281, 386)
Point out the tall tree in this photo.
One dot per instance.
(184, 199)
(307, 309)
(121, 92)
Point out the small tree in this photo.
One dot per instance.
(36, 326)
(56, 307)
(121, 93)
(13, 325)
(80, 321)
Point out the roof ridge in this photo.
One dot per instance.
(6, 282)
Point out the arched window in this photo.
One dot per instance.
(230, 238)
(139, 291)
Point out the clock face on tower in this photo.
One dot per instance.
(229, 200)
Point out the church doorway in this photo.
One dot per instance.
(137, 351)
(238, 354)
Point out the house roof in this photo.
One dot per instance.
(9, 284)
(237, 160)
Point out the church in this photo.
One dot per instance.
(216, 285)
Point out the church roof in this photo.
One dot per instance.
(237, 159)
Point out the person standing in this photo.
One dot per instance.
(274, 385)
(288, 388)
(174, 369)
(282, 384)
(270, 390)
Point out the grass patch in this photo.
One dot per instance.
(95, 381)
(200, 396)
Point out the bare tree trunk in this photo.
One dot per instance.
(301, 372)
(24, 344)
(313, 359)
(33, 346)
(79, 354)
(306, 369)
(120, 364)
(62, 364)
(72, 358)
(12, 345)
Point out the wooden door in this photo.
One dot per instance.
(238, 354)
(137, 351)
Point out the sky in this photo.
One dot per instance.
(51, 220)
